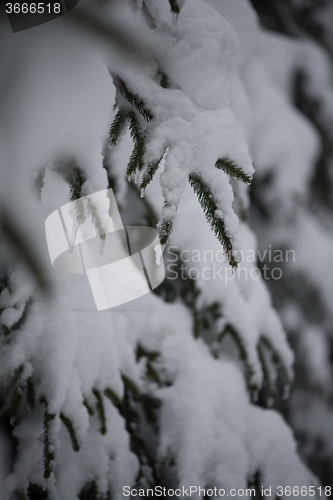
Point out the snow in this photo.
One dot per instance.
(191, 120)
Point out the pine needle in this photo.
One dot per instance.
(233, 170)
(209, 207)
(70, 428)
(117, 126)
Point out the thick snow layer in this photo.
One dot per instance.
(192, 119)
(285, 147)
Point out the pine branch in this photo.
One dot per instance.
(70, 428)
(89, 492)
(148, 17)
(134, 126)
(112, 396)
(267, 376)
(152, 374)
(100, 411)
(149, 172)
(31, 398)
(48, 452)
(37, 492)
(39, 181)
(83, 207)
(13, 381)
(5, 330)
(277, 360)
(164, 230)
(117, 126)
(131, 387)
(233, 170)
(136, 159)
(230, 330)
(90, 410)
(150, 358)
(164, 81)
(15, 403)
(209, 206)
(141, 352)
(174, 6)
(150, 405)
(133, 99)
(75, 179)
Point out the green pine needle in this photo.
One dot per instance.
(164, 81)
(90, 410)
(75, 179)
(112, 396)
(13, 380)
(48, 453)
(31, 394)
(230, 330)
(5, 330)
(134, 126)
(15, 402)
(268, 382)
(232, 169)
(133, 99)
(131, 387)
(100, 411)
(174, 6)
(209, 207)
(164, 231)
(149, 172)
(148, 17)
(70, 428)
(117, 126)
(136, 159)
(277, 360)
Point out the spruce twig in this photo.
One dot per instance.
(267, 377)
(31, 398)
(48, 452)
(132, 98)
(150, 171)
(89, 408)
(231, 168)
(209, 206)
(230, 330)
(13, 380)
(164, 81)
(164, 231)
(75, 179)
(100, 411)
(112, 396)
(148, 16)
(136, 159)
(174, 6)
(15, 402)
(70, 428)
(134, 126)
(277, 360)
(117, 126)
